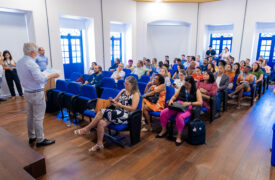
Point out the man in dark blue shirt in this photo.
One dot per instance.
(115, 66)
(96, 79)
(210, 52)
(204, 65)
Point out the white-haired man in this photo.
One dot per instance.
(33, 82)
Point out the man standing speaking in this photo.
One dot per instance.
(33, 82)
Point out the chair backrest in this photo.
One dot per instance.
(120, 84)
(175, 67)
(74, 88)
(109, 92)
(88, 91)
(144, 78)
(141, 87)
(171, 72)
(86, 77)
(134, 75)
(140, 103)
(75, 76)
(170, 91)
(107, 73)
(127, 71)
(235, 81)
(61, 85)
(108, 82)
(172, 81)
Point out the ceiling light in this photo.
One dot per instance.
(158, 1)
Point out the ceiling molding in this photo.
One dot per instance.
(179, 1)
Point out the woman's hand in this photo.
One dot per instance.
(170, 102)
(186, 104)
(203, 90)
(117, 104)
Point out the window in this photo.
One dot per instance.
(221, 40)
(116, 47)
(71, 45)
(266, 47)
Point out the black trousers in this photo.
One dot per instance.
(10, 77)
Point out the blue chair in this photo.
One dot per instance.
(108, 83)
(133, 126)
(144, 79)
(75, 76)
(170, 91)
(251, 93)
(53, 95)
(171, 72)
(67, 98)
(141, 87)
(83, 101)
(172, 81)
(86, 77)
(107, 92)
(120, 84)
(134, 75)
(127, 71)
(175, 67)
(234, 84)
(107, 73)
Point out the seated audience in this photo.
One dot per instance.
(266, 67)
(231, 59)
(144, 60)
(130, 65)
(119, 73)
(166, 58)
(183, 60)
(149, 67)
(155, 63)
(210, 52)
(247, 61)
(191, 69)
(180, 81)
(257, 72)
(96, 79)
(204, 65)
(222, 81)
(139, 70)
(160, 65)
(187, 63)
(125, 102)
(230, 74)
(176, 74)
(177, 63)
(189, 96)
(243, 84)
(242, 65)
(237, 68)
(198, 76)
(199, 62)
(92, 68)
(167, 64)
(215, 65)
(164, 72)
(225, 53)
(115, 66)
(157, 91)
(211, 68)
(208, 87)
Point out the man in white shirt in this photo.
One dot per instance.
(119, 73)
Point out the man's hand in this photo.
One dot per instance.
(53, 75)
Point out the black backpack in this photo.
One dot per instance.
(196, 132)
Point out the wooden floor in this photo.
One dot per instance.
(237, 148)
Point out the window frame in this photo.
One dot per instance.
(112, 41)
(271, 58)
(221, 39)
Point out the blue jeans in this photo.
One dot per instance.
(218, 101)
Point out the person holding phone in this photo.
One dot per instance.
(126, 101)
(179, 82)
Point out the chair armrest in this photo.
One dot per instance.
(91, 104)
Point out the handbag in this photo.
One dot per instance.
(102, 104)
(176, 106)
(154, 98)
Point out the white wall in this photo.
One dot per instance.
(150, 12)
(167, 40)
(225, 12)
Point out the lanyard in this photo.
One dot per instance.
(187, 94)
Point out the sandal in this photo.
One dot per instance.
(96, 147)
(146, 129)
(78, 132)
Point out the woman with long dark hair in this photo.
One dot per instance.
(211, 68)
(189, 96)
(208, 87)
(237, 68)
(9, 65)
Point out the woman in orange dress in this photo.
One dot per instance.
(157, 87)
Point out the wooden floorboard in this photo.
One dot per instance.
(237, 148)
